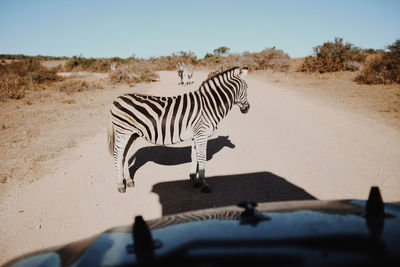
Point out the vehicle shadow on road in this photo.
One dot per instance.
(173, 155)
(181, 196)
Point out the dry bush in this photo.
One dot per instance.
(143, 69)
(382, 68)
(217, 61)
(170, 62)
(334, 56)
(88, 64)
(72, 86)
(100, 65)
(133, 71)
(21, 75)
(130, 70)
(271, 58)
(58, 68)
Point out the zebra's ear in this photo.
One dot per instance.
(243, 72)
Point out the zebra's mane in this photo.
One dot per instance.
(211, 75)
(216, 73)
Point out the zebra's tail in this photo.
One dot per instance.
(110, 137)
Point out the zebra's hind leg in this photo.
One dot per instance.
(194, 167)
(120, 143)
(201, 153)
(129, 180)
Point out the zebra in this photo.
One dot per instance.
(113, 66)
(180, 67)
(189, 72)
(185, 72)
(168, 120)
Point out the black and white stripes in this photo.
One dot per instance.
(168, 120)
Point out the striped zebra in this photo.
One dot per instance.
(185, 72)
(169, 120)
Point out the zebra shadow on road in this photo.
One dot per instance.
(180, 196)
(164, 155)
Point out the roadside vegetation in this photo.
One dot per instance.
(21, 73)
(382, 67)
(375, 66)
(72, 86)
(334, 56)
(88, 64)
(17, 77)
(268, 59)
(133, 71)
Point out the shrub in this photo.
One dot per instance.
(72, 86)
(170, 62)
(134, 71)
(220, 51)
(88, 64)
(270, 58)
(100, 65)
(383, 67)
(211, 60)
(333, 56)
(19, 76)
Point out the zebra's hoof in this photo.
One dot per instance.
(196, 182)
(205, 189)
(130, 183)
(121, 189)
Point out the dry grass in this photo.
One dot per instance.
(170, 62)
(88, 64)
(72, 86)
(20, 76)
(132, 72)
(268, 59)
(129, 70)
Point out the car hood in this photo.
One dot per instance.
(309, 232)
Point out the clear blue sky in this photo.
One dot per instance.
(155, 28)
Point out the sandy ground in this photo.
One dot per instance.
(57, 177)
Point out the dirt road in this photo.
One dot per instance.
(287, 147)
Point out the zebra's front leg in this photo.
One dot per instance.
(201, 153)
(194, 167)
(120, 143)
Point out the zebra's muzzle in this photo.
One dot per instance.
(245, 109)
